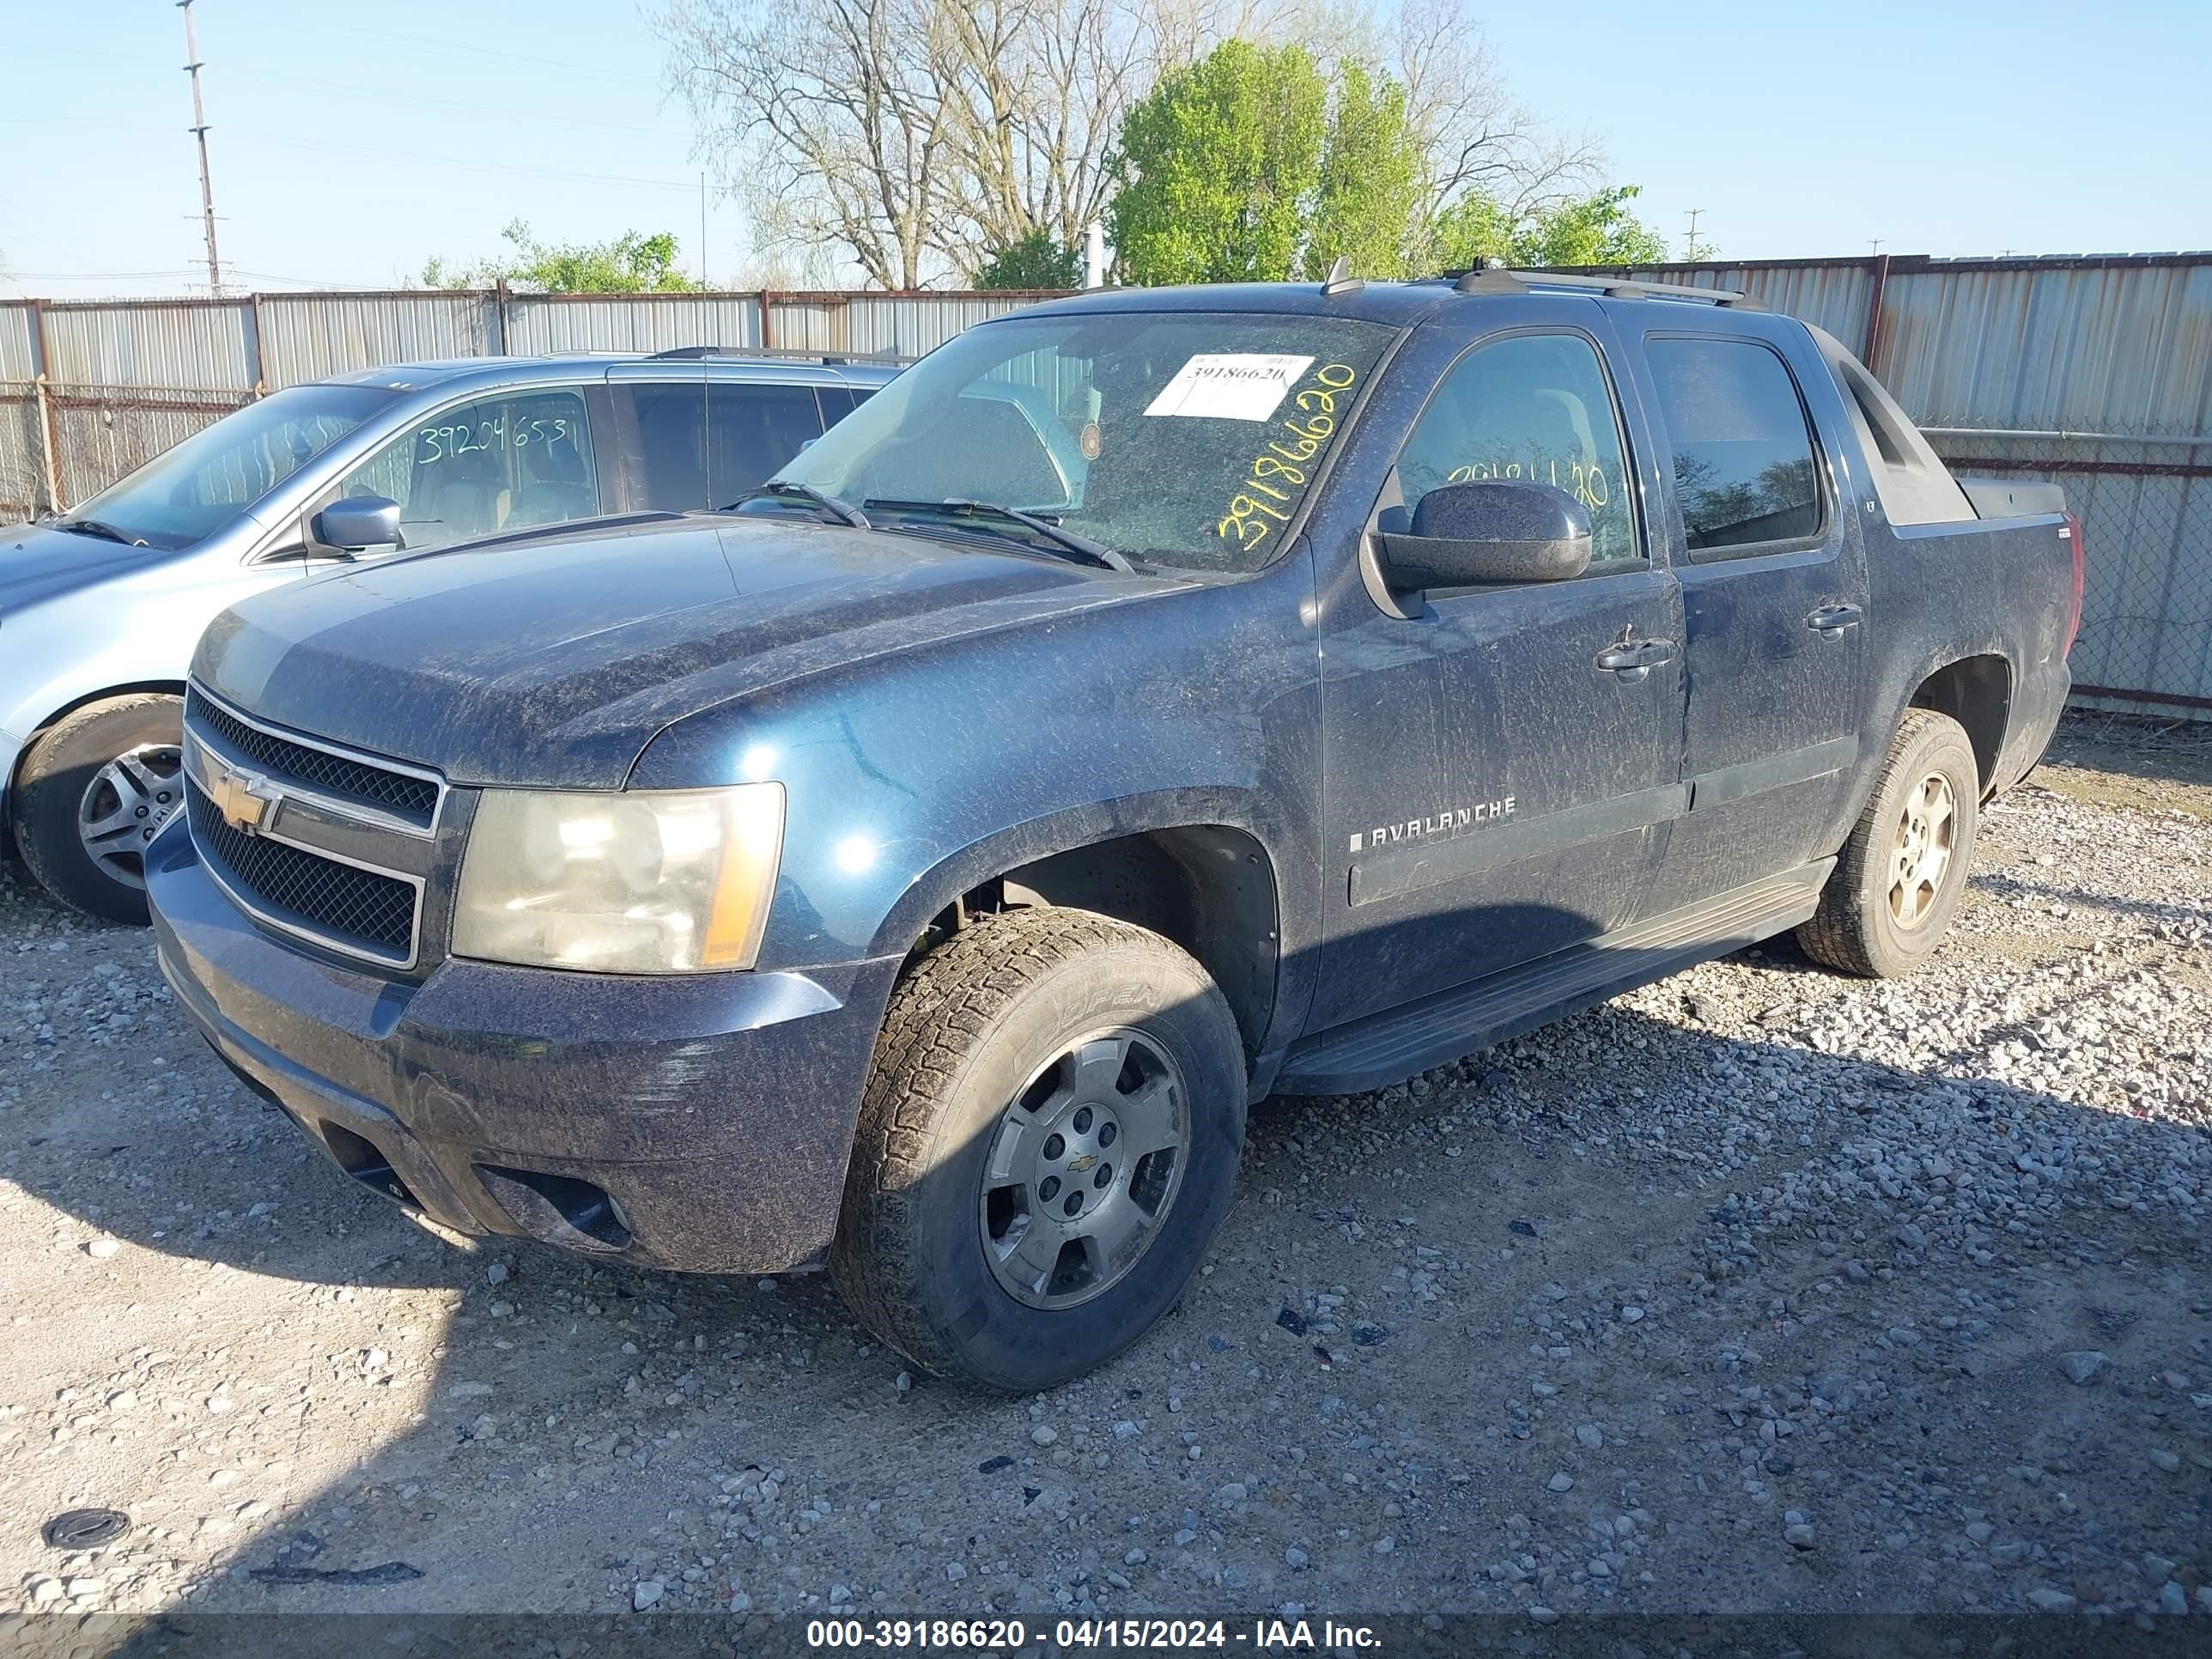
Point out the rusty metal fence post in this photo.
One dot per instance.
(49, 438)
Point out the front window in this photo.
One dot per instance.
(1532, 406)
(508, 462)
(1181, 439)
(188, 492)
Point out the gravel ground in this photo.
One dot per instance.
(1758, 1290)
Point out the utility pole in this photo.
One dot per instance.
(199, 131)
(1692, 250)
(702, 227)
(1874, 245)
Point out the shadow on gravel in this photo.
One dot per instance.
(634, 1425)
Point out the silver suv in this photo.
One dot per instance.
(101, 607)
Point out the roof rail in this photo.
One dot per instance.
(1496, 279)
(777, 353)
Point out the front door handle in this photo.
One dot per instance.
(1830, 620)
(1634, 659)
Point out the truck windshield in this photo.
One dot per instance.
(187, 493)
(1184, 439)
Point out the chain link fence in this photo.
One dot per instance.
(2144, 496)
(25, 489)
(60, 444)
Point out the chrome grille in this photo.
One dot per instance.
(328, 844)
(409, 797)
(355, 907)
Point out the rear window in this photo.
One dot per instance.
(704, 444)
(1910, 477)
(1746, 469)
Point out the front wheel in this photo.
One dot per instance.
(1047, 1143)
(1892, 893)
(94, 790)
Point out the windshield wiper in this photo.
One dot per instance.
(787, 489)
(107, 532)
(1067, 541)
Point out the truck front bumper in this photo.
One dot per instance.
(700, 1123)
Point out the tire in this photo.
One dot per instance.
(1874, 918)
(115, 761)
(977, 1063)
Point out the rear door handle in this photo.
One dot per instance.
(1634, 659)
(1830, 620)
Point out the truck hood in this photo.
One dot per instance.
(36, 562)
(553, 662)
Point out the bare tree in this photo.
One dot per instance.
(1475, 136)
(918, 138)
(922, 136)
(1045, 85)
(832, 115)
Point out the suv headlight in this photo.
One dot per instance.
(672, 882)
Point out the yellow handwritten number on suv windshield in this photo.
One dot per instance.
(1280, 470)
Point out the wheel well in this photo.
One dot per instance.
(1976, 692)
(172, 688)
(1208, 887)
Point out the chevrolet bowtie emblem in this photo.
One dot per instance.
(243, 797)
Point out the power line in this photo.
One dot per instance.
(199, 129)
(686, 185)
(596, 71)
(288, 141)
(548, 117)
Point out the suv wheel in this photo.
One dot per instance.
(1892, 893)
(93, 791)
(1047, 1143)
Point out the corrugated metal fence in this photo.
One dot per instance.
(2096, 371)
(88, 389)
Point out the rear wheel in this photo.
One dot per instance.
(1047, 1143)
(1892, 893)
(94, 792)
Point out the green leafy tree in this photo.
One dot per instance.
(1597, 229)
(1368, 192)
(632, 262)
(1037, 260)
(1217, 168)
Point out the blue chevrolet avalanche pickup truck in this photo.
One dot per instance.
(1149, 701)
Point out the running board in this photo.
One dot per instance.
(1400, 1042)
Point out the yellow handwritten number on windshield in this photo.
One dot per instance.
(1279, 470)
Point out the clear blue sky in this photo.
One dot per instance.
(352, 141)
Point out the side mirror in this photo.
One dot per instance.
(359, 524)
(1495, 530)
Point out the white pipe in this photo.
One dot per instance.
(2159, 441)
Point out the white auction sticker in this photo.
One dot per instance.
(1230, 386)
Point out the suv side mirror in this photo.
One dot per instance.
(359, 524)
(1495, 530)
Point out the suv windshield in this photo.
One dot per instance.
(1185, 439)
(189, 492)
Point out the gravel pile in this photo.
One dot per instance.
(1758, 1289)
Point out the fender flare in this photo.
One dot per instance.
(933, 890)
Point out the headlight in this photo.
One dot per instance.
(670, 882)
